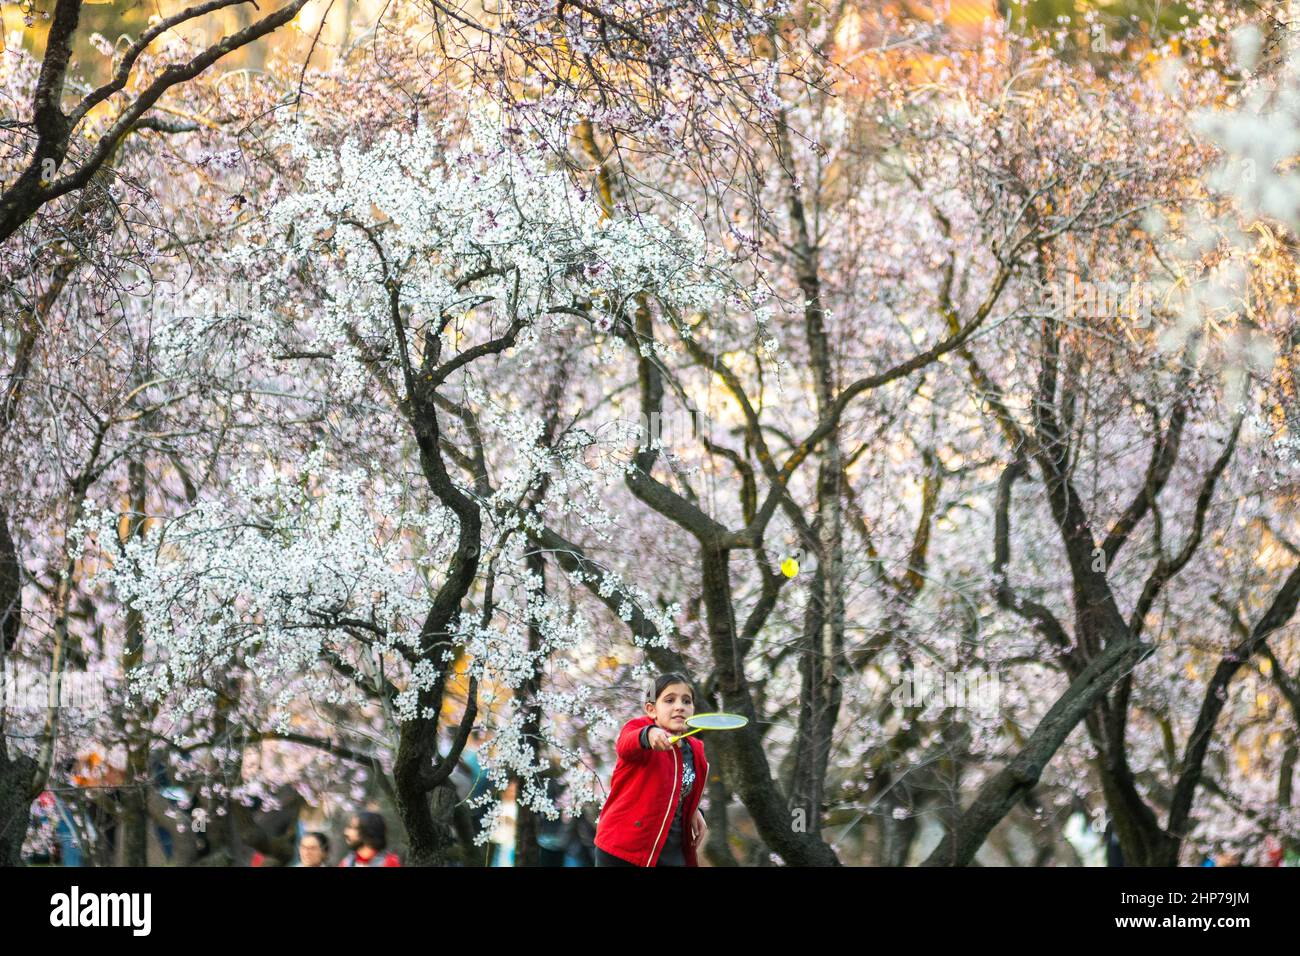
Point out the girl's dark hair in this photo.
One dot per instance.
(373, 830)
(320, 838)
(656, 687)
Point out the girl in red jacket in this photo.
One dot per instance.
(651, 816)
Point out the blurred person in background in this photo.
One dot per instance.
(367, 838)
(313, 849)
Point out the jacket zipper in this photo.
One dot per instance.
(671, 802)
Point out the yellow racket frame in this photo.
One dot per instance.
(736, 722)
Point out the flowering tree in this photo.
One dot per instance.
(417, 261)
(58, 198)
(49, 133)
(774, 347)
(1070, 412)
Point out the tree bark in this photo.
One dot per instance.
(527, 849)
(11, 588)
(1009, 786)
(134, 821)
(15, 804)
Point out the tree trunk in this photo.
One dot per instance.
(135, 727)
(740, 753)
(15, 804)
(718, 848)
(1000, 794)
(16, 774)
(896, 834)
(428, 818)
(527, 850)
(11, 589)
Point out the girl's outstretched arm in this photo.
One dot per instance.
(629, 744)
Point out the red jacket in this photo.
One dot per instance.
(382, 858)
(643, 796)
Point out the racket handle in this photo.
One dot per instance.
(673, 740)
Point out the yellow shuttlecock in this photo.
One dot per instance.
(789, 567)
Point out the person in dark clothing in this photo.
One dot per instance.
(367, 838)
(581, 850)
(1114, 853)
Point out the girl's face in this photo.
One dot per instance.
(674, 705)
